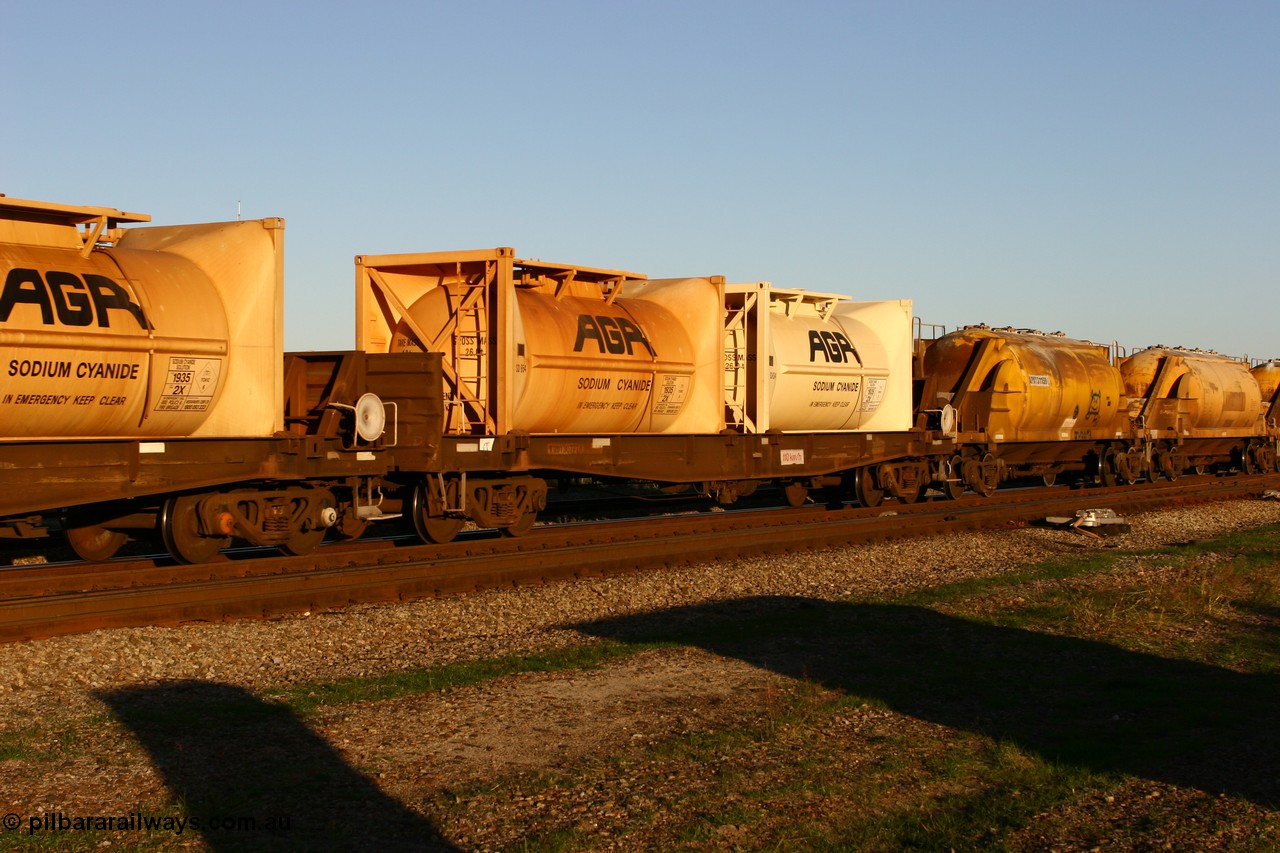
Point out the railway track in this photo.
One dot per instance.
(47, 600)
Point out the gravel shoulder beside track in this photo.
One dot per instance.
(59, 673)
(522, 723)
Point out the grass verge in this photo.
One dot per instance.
(1122, 700)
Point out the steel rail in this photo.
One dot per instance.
(230, 589)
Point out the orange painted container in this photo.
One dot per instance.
(140, 332)
(1191, 391)
(1018, 385)
(535, 347)
(1267, 375)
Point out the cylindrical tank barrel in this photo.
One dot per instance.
(832, 372)
(1267, 375)
(118, 343)
(584, 364)
(1019, 385)
(1205, 391)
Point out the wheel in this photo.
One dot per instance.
(437, 529)
(521, 525)
(953, 486)
(908, 482)
(795, 493)
(432, 528)
(303, 542)
(1167, 466)
(520, 498)
(1107, 468)
(1049, 479)
(94, 543)
(180, 528)
(865, 488)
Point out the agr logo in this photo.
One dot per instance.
(832, 345)
(611, 334)
(67, 299)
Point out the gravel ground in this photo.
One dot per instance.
(398, 762)
(59, 674)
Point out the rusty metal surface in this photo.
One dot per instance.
(93, 471)
(688, 458)
(1174, 393)
(232, 589)
(1014, 386)
(322, 389)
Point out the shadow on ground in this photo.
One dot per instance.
(226, 754)
(1080, 702)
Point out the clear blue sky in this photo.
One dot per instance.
(1108, 169)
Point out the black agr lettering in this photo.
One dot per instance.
(67, 299)
(613, 335)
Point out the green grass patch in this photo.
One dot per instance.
(308, 697)
(1049, 570)
(21, 744)
(1231, 585)
(44, 741)
(553, 841)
